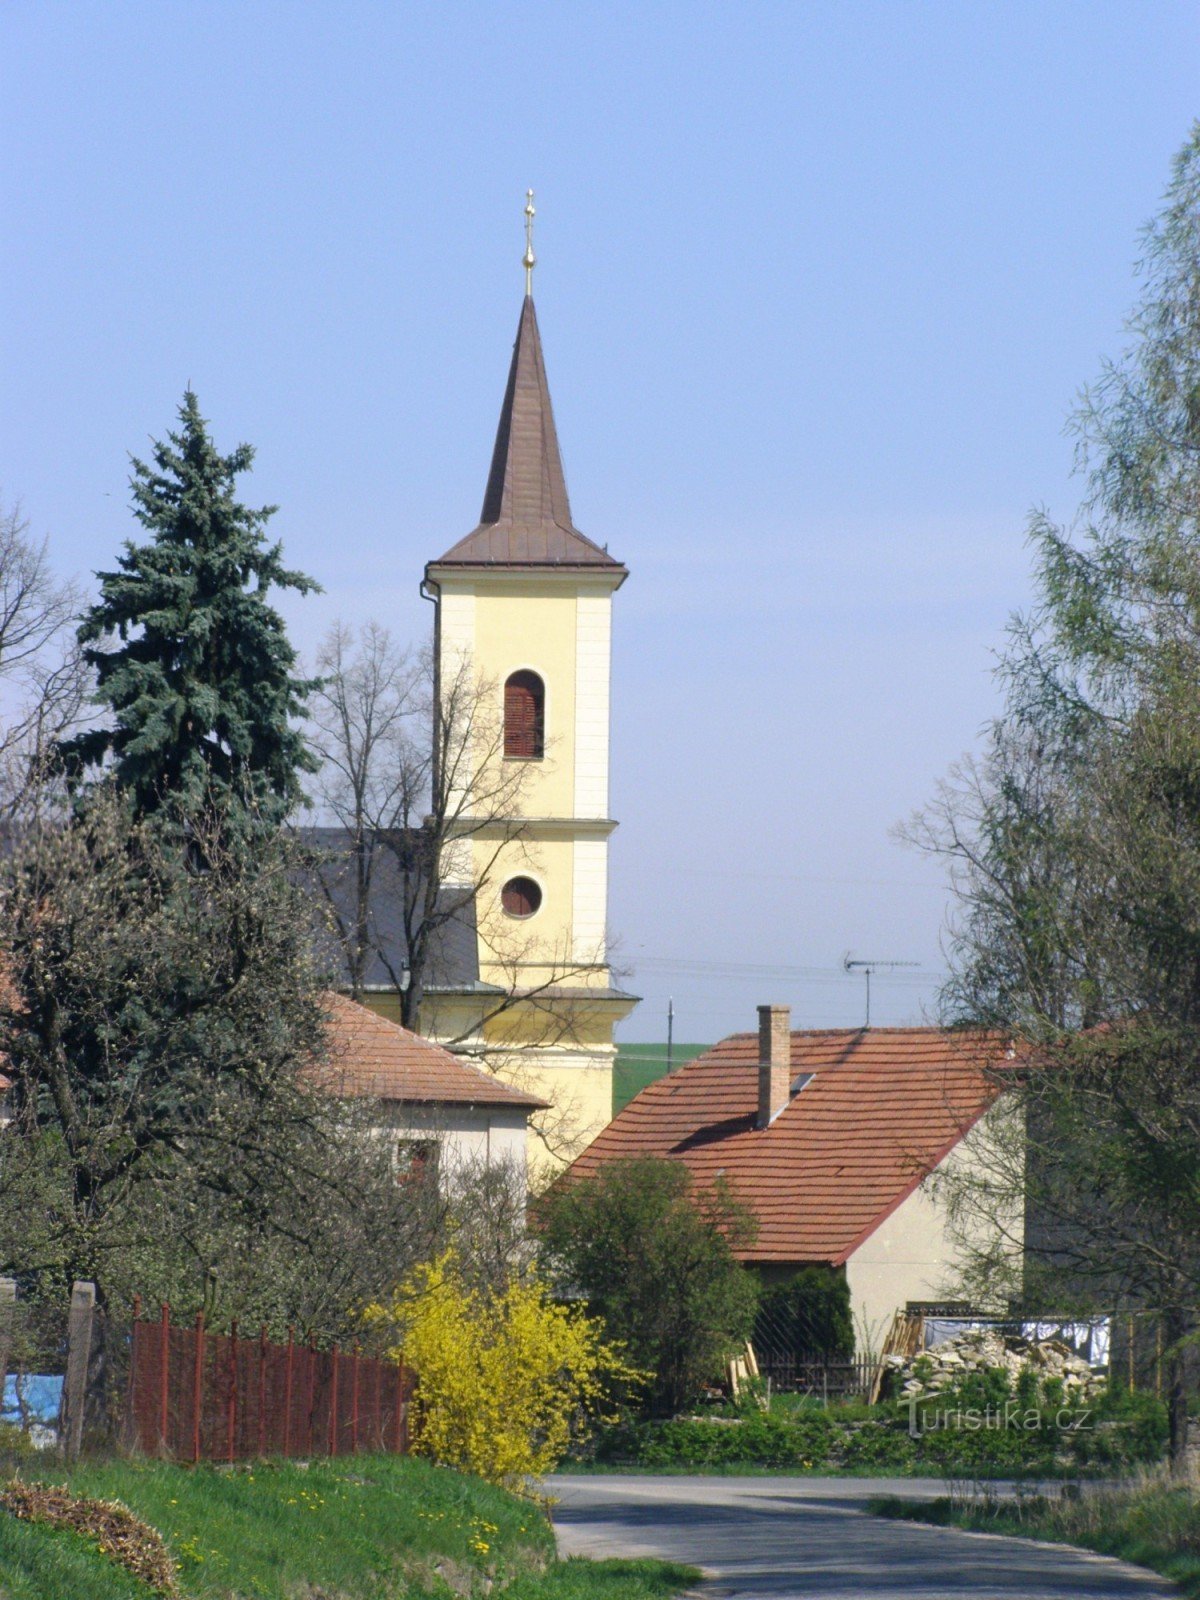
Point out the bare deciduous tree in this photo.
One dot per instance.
(411, 776)
(42, 678)
(426, 814)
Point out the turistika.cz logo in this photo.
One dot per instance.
(924, 1417)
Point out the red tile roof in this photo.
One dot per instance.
(379, 1060)
(883, 1107)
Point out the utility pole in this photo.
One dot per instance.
(670, 1031)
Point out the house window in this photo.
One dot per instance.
(520, 897)
(525, 715)
(417, 1160)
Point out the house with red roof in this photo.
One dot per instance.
(441, 1110)
(834, 1138)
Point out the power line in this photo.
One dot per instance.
(753, 969)
(806, 877)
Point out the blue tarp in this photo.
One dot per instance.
(41, 1396)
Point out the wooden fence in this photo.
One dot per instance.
(825, 1378)
(195, 1395)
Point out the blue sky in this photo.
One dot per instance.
(817, 285)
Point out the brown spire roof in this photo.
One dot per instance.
(526, 517)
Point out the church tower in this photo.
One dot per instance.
(523, 617)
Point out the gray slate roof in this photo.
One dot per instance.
(454, 956)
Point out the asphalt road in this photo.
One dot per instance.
(812, 1539)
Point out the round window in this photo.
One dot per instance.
(520, 897)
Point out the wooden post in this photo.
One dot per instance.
(79, 1354)
(287, 1392)
(197, 1384)
(1158, 1347)
(8, 1314)
(333, 1405)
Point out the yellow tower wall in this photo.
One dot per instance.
(556, 1044)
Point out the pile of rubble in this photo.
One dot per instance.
(947, 1364)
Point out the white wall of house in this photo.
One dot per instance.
(465, 1135)
(916, 1254)
(908, 1257)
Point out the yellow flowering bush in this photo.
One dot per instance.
(505, 1377)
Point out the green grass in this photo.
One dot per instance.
(360, 1528)
(577, 1579)
(1155, 1524)
(640, 1064)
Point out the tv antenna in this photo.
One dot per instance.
(849, 964)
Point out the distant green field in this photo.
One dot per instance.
(640, 1064)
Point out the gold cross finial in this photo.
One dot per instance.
(529, 260)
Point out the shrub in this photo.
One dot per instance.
(876, 1445)
(1125, 1429)
(1035, 1442)
(1025, 1390)
(808, 1311)
(655, 1258)
(760, 1440)
(987, 1386)
(505, 1376)
(966, 1453)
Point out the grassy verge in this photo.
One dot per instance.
(1155, 1524)
(358, 1529)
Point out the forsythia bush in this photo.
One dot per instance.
(505, 1377)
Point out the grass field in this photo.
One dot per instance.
(358, 1528)
(640, 1064)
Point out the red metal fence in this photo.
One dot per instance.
(196, 1395)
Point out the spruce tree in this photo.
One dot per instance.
(191, 662)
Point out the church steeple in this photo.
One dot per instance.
(526, 516)
(523, 620)
(526, 487)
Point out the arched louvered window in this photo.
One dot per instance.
(524, 715)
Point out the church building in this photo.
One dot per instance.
(523, 608)
(514, 974)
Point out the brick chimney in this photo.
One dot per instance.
(774, 1061)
